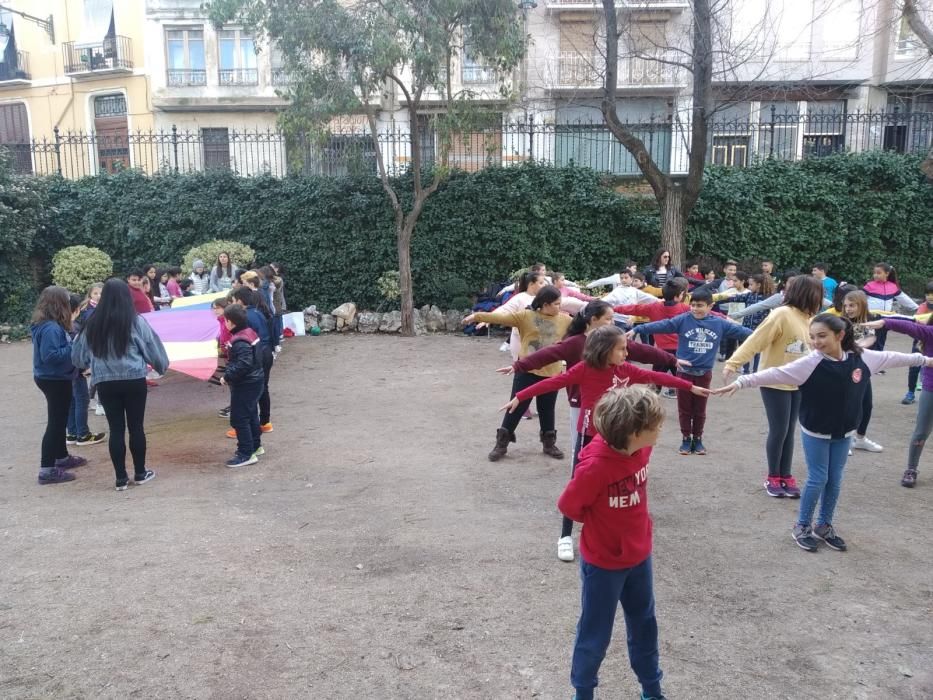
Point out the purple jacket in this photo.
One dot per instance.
(917, 331)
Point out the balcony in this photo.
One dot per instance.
(575, 71)
(238, 77)
(185, 78)
(112, 56)
(16, 73)
(280, 77)
(624, 5)
(474, 74)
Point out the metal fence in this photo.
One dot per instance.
(735, 143)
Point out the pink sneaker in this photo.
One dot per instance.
(789, 484)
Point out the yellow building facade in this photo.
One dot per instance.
(77, 66)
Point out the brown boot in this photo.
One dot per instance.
(503, 438)
(549, 440)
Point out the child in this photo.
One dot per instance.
(540, 325)
(163, 299)
(626, 294)
(87, 310)
(673, 305)
(832, 384)
(137, 279)
(819, 271)
(739, 281)
(913, 374)
(172, 288)
(608, 494)
(259, 319)
(885, 296)
(223, 338)
(855, 309)
(693, 275)
(760, 287)
(699, 336)
(244, 374)
(78, 432)
(200, 278)
(922, 333)
(53, 373)
(185, 286)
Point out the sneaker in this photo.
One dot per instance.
(91, 439)
(698, 448)
(669, 393)
(909, 480)
(565, 548)
(147, 475)
(224, 412)
(231, 434)
(686, 447)
(863, 443)
(99, 410)
(908, 398)
(789, 484)
(122, 484)
(653, 697)
(278, 349)
(70, 462)
(241, 461)
(259, 452)
(54, 475)
(803, 536)
(850, 452)
(71, 439)
(774, 487)
(266, 427)
(829, 536)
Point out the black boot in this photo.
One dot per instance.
(503, 438)
(549, 440)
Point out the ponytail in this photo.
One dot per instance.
(581, 321)
(840, 324)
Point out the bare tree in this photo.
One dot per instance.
(924, 33)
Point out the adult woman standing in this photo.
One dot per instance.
(784, 336)
(116, 345)
(660, 270)
(223, 273)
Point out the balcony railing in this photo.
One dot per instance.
(280, 77)
(18, 71)
(621, 4)
(575, 70)
(477, 74)
(186, 78)
(232, 77)
(112, 55)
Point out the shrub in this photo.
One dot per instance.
(78, 267)
(240, 254)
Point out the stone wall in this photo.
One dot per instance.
(346, 318)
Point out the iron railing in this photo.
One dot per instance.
(736, 142)
(229, 77)
(185, 78)
(114, 53)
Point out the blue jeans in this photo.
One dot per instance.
(77, 414)
(603, 590)
(244, 416)
(750, 367)
(826, 459)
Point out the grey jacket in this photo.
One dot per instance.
(221, 283)
(144, 348)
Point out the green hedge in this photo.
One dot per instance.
(336, 236)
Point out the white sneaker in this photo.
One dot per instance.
(504, 347)
(565, 549)
(864, 443)
(99, 410)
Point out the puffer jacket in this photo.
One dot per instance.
(244, 359)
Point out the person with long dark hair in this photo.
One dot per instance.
(53, 372)
(660, 270)
(117, 344)
(223, 273)
(886, 296)
(832, 380)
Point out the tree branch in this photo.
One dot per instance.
(917, 25)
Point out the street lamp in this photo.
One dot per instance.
(47, 24)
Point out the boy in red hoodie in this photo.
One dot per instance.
(608, 494)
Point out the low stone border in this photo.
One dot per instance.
(346, 318)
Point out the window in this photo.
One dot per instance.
(110, 106)
(825, 128)
(237, 58)
(474, 69)
(730, 150)
(14, 136)
(184, 51)
(908, 45)
(279, 74)
(216, 145)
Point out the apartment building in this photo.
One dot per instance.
(75, 66)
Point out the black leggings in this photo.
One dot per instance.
(566, 528)
(124, 403)
(58, 402)
(545, 403)
(265, 403)
(782, 409)
(866, 410)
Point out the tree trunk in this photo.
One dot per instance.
(406, 296)
(672, 224)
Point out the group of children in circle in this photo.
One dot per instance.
(817, 342)
(100, 343)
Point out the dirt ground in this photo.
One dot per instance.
(374, 552)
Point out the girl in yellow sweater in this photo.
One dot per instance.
(540, 325)
(781, 338)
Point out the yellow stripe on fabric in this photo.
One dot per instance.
(182, 302)
(191, 351)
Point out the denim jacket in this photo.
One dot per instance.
(144, 348)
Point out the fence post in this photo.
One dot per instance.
(531, 137)
(58, 151)
(771, 130)
(175, 146)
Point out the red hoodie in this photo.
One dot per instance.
(657, 312)
(609, 495)
(595, 382)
